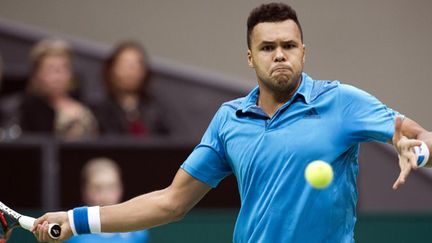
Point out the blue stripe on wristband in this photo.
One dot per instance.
(81, 222)
(422, 153)
(420, 159)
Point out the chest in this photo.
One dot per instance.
(291, 138)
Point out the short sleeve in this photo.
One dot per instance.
(365, 117)
(207, 162)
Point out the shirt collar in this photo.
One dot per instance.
(251, 100)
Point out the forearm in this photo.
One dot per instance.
(426, 137)
(145, 211)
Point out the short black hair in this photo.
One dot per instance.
(271, 12)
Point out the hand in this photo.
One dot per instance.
(405, 149)
(74, 121)
(40, 227)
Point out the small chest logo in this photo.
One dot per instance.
(311, 114)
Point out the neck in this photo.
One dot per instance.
(270, 100)
(56, 101)
(127, 100)
(59, 103)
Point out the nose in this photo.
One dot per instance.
(279, 55)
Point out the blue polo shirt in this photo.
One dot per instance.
(324, 120)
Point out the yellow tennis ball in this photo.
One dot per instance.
(319, 174)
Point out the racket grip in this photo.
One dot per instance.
(54, 230)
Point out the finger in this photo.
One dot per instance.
(44, 231)
(405, 147)
(46, 234)
(409, 143)
(398, 182)
(412, 158)
(35, 233)
(38, 232)
(402, 177)
(39, 221)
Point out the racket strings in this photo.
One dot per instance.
(3, 222)
(4, 228)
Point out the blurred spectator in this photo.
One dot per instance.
(1, 111)
(102, 185)
(1, 69)
(48, 107)
(129, 108)
(9, 128)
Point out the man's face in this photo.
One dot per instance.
(277, 54)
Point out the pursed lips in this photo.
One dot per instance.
(281, 68)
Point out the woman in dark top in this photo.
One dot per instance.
(129, 108)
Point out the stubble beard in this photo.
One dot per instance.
(282, 83)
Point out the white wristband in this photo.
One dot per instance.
(94, 219)
(71, 222)
(85, 220)
(422, 153)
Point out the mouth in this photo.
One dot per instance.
(281, 69)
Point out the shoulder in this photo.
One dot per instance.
(337, 88)
(233, 105)
(345, 95)
(230, 108)
(316, 88)
(351, 90)
(359, 103)
(351, 93)
(226, 112)
(321, 86)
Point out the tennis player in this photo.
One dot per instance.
(266, 139)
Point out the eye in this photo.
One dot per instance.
(289, 46)
(267, 48)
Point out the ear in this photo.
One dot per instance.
(250, 59)
(304, 54)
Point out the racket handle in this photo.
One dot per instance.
(54, 230)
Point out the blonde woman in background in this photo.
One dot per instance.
(48, 106)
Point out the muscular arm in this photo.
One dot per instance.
(145, 211)
(155, 208)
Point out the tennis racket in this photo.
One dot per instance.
(9, 220)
